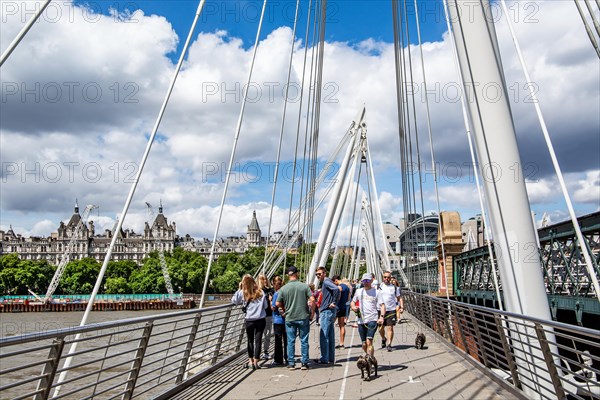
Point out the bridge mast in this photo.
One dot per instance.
(499, 161)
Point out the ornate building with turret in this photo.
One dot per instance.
(254, 238)
(129, 244)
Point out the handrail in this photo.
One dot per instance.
(167, 351)
(35, 336)
(554, 324)
(550, 359)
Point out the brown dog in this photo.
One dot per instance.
(420, 341)
(367, 363)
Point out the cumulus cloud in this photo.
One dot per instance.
(81, 93)
(588, 189)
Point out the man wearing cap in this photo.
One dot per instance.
(297, 302)
(365, 300)
(389, 297)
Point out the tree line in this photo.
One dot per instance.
(187, 271)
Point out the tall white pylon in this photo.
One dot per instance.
(322, 245)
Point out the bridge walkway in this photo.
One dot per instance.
(435, 372)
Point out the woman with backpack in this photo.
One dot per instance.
(254, 303)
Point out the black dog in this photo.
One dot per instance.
(367, 363)
(420, 341)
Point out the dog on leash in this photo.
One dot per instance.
(367, 363)
(420, 341)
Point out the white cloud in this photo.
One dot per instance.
(588, 189)
(40, 228)
(542, 191)
(130, 63)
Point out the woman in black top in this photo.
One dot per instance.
(265, 286)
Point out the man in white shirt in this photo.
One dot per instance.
(364, 303)
(389, 296)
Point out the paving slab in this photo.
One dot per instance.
(435, 372)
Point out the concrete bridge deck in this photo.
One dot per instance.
(435, 372)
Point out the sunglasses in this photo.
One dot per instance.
(318, 274)
(366, 281)
(386, 277)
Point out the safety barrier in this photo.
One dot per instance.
(28, 306)
(138, 357)
(539, 358)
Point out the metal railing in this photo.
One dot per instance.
(539, 358)
(133, 358)
(565, 273)
(423, 277)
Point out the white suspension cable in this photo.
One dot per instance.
(480, 194)
(232, 157)
(276, 172)
(431, 149)
(13, 45)
(587, 28)
(559, 175)
(120, 220)
(377, 209)
(340, 205)
(355, 255)
(301, 102)
(296, 218)
(593, 15)
(346, 267)
(321, 245)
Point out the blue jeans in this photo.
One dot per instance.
(327, 335)
(297, 328)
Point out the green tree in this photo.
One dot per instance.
(9, 265)
(252, 260)
(196, 273)
(17, 276)
(227, 282)
(120, 269)
(117, 285)
(148, 278)
(79, 276)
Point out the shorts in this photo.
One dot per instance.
(367, 331)
(341, 312)
(390, 318)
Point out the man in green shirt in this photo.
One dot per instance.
(296, 300)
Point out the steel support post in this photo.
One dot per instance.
(136, 365)
(463, 337)
(507, 352)
(221, 336)
(549, 358)
(185, 359)
(241, 338)
(49, 371)
(478, 335)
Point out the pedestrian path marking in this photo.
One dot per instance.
(279, 377)
(410, 380)
(343, 388)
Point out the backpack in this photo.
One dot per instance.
(320, 298)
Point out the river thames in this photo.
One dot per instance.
(13, 324)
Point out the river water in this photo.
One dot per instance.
(13, 324)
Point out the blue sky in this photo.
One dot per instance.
(133, 60)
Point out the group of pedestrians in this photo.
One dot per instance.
(286, 311)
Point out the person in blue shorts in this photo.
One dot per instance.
(342, 313)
